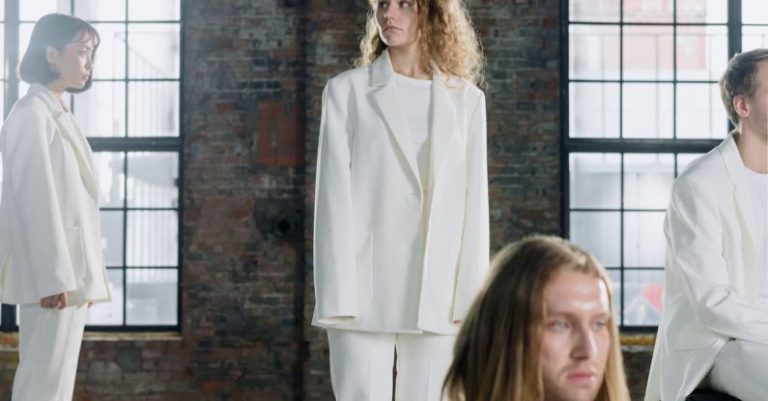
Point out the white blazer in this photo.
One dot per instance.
(50, 240)
(369, 200)
(712, 274)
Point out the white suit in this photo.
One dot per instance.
(712, 275)
(50, 239)
(376, 222)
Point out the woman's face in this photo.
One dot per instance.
(74, 63)
(398, 22)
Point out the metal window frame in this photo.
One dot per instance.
(124, 145)
(623, 146)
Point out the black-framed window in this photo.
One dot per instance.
(640, 100)
(132, 118)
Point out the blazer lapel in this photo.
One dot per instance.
(70, 132)
(443, 124)
(385, 96)
(743, 200)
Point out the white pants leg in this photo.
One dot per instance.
(362, 365)
(739, 370)
(49, 347)
(422, 362)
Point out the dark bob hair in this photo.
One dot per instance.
(54, 30)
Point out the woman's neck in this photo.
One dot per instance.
(56, 88)
(406, 60)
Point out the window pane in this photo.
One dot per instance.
(594, 180)
(615, 275)
(112, 237)
(32, 10)
(648, 52)
(152, 296)
(153, 179)
(702, 11)
(702, 52)
(647, 110)
(754, 12)
(683, 159)
(643, 292)
(644, 239)
(648, 11)
(647, 180)
(700, 112)
(597, 232)
(109, 61)
(111, 169)
(153, 50)
(594, 110)
(100, 111)
(593, 52)
(100, 10)
(153, 238)
(153, 109)
(109, 313)
(154, 10)
(754, 37)
(594, 10)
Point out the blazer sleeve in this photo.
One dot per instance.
(694, 240)
(475, 258)
(40, 240)
(334, 261)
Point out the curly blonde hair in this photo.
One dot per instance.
(448, 40)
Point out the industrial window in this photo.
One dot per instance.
(640, 100)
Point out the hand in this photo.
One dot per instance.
(58, 301)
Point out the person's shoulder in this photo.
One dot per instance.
(28, 107)
(354, 76)
(704, 167)
(702, 176)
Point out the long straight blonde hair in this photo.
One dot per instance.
(448, 41)
(496, 356)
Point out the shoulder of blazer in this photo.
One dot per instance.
(354, 77)
(26, 108)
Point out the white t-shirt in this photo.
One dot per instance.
(416, 95)
(758, 184)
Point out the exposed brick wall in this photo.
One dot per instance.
(254, 72)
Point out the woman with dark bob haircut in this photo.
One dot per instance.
(51, 263)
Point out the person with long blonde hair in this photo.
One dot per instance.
(541, 330)
(401, 208)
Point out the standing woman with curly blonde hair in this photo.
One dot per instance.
(401, 207)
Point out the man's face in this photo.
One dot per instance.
(576, 336)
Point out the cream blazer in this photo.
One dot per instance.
(712, 274)
(50, 240)
(369, 201)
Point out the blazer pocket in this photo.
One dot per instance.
(77, 255)
(364, 261)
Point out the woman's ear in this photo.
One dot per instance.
(52, 55)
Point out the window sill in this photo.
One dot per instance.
(637, 340)
(10, 341)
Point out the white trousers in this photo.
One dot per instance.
(362, 365)
(739, 370)
(49, 347)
